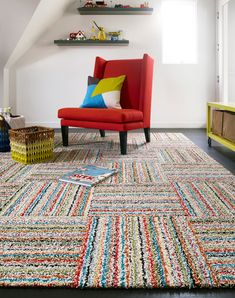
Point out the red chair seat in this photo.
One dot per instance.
(101, 115)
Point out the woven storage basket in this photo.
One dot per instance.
(4, 135)
(32, 144)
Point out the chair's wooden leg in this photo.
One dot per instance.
(102, 133)
(65, 135)
(123, 141)
(147, 134)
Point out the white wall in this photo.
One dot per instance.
(14, 16)
(231, 51)
(50, 77)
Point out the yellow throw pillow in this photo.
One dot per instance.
(110, 90)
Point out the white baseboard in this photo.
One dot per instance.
(153, 125)
(46, 124)
(178, 125)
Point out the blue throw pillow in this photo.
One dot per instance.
(96, 102)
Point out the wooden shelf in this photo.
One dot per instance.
(91, 42)
(114, 11)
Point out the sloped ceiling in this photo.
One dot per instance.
(47, 12)
(14, 18)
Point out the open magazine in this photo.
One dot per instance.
(88, 175)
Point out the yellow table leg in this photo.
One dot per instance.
(208, 119)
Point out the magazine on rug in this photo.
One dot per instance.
(88, 175)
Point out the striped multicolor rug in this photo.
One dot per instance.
(167, 219)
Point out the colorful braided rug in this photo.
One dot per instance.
(167, 219)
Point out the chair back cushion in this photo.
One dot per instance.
(137, 89)
(131, 88)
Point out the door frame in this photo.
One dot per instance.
(222, 50)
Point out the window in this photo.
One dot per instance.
(179, 21)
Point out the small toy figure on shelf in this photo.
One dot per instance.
(115, 35)
(89, 4)
(80, 35)
(145, 5)
(121, 6)
(118, 6)
(100, 4)
(101, 33)
(93, 35)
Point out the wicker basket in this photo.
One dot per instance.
(229, 126)
(32, 144)
(217, 122)
(4, 135)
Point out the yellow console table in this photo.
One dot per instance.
(219, 106)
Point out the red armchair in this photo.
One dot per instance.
(136, 97)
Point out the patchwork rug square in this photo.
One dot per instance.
(135, 199)
(40, 251)
(139, 252)
(216, 237)
(48, 199)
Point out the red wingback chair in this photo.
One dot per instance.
(136, 97)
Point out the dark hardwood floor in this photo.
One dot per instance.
(219, 153)
(115, 293)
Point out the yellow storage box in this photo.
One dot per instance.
(32, 144)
